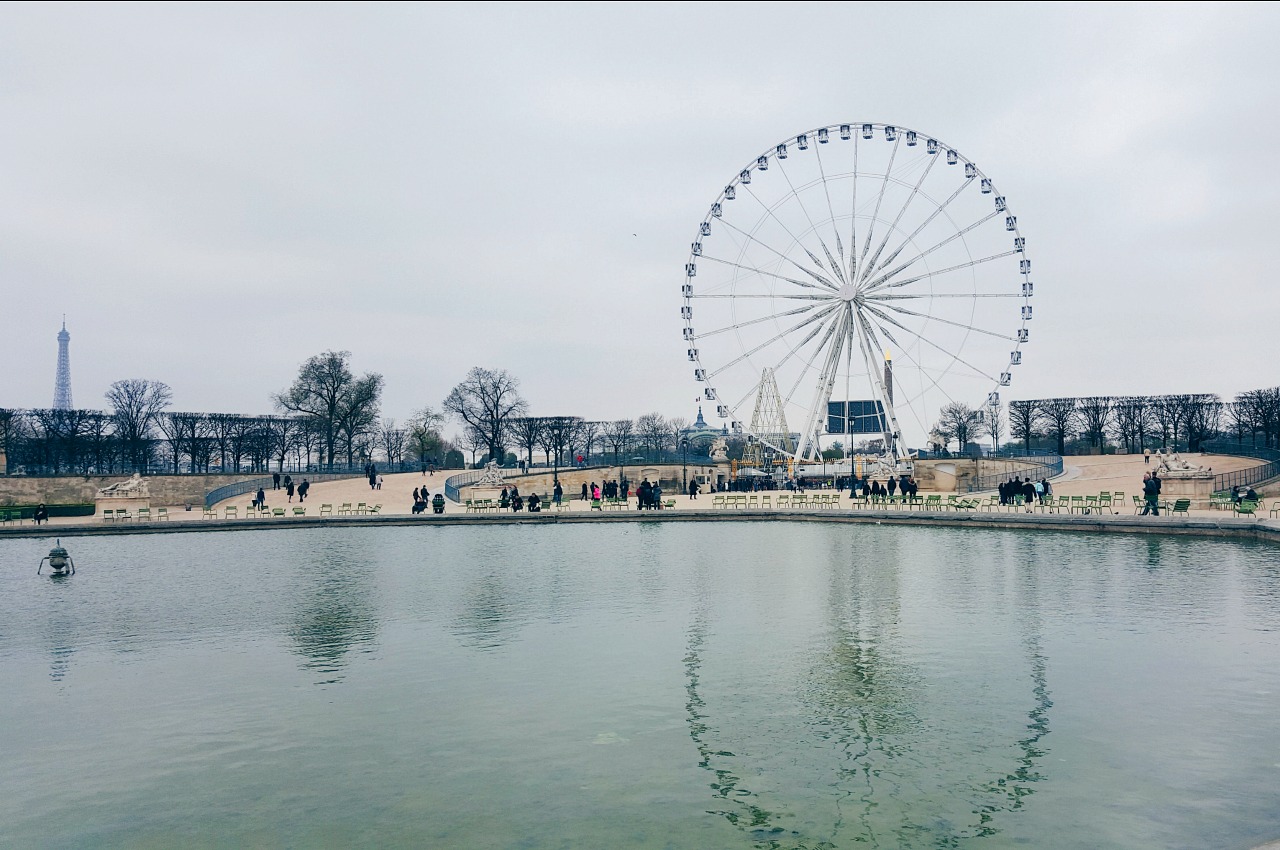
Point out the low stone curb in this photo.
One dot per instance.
(1257, 529)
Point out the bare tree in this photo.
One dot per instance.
(959, 421)
(472, 440)
(588, 431)
(1095, 413)
(425, 442)
(392, 441)
(1060, 417)
(136, 407)
(341, 403)
(11, 431)
(1202, 419)
(651, 430)
(1024, 421)
(618, 434)
(1166, 412)
(992, 425)
(1131, 420)
(486, 401)
(527, 431)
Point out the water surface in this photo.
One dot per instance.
(641, 686)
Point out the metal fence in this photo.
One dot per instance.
(1243, 477)
(462, 479)
(253, 484)
(1038, 466)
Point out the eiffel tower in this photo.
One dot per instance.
(768, 425)
(62, 383)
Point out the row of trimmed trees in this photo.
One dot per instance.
(329, 415)
(1130, 423)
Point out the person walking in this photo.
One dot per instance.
(260, 501)
(558, 493)
(585, 494)
(302, 490)
(288, 489)
(275, 481)
(1146, 456)
(693, 489)
(1151, 490)
(379, 480)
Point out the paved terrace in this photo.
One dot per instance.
(1086, 475)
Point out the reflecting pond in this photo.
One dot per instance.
(647, 685)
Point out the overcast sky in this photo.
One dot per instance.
(211, 194)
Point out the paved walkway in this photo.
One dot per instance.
(1083, 476)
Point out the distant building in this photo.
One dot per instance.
(62, 384)
(700, 433)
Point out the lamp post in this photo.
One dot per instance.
(684, 447)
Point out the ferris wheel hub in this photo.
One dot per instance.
(847, 292)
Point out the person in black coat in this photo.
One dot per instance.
(41, 514)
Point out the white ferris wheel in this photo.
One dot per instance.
(857, 262)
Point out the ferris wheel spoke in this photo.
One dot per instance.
(808, 320)
(795, 239)
(808, 364)
(915, 190)
(915, 414)
(905, 312)
(871, 291)
(866, 273)
(853, 217)
(884, 184)
(887, 276)
(818, 296)
(826, 190)
(899, 296)
(797, 311)
(810, 272)
(835, 267)
(762, 272)
(957, 358)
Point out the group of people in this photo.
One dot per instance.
(289, 489)
(375, 479)
(1029, 491)
(1243, 494)
(903, 485)
(511, 499)
(609, 490)
(423, 500)
(1151, 493)
(649, 496)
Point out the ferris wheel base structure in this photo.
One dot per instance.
(830, 250)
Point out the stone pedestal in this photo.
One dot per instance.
(118, 503)
(1196, 486)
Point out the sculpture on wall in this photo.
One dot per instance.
(134, 488)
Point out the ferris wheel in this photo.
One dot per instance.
(865, 263)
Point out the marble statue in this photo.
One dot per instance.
(719, 449)
(492, 475)
(134, 488)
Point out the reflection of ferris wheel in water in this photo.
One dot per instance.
(834, 251)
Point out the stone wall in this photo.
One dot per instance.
(166, 490)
